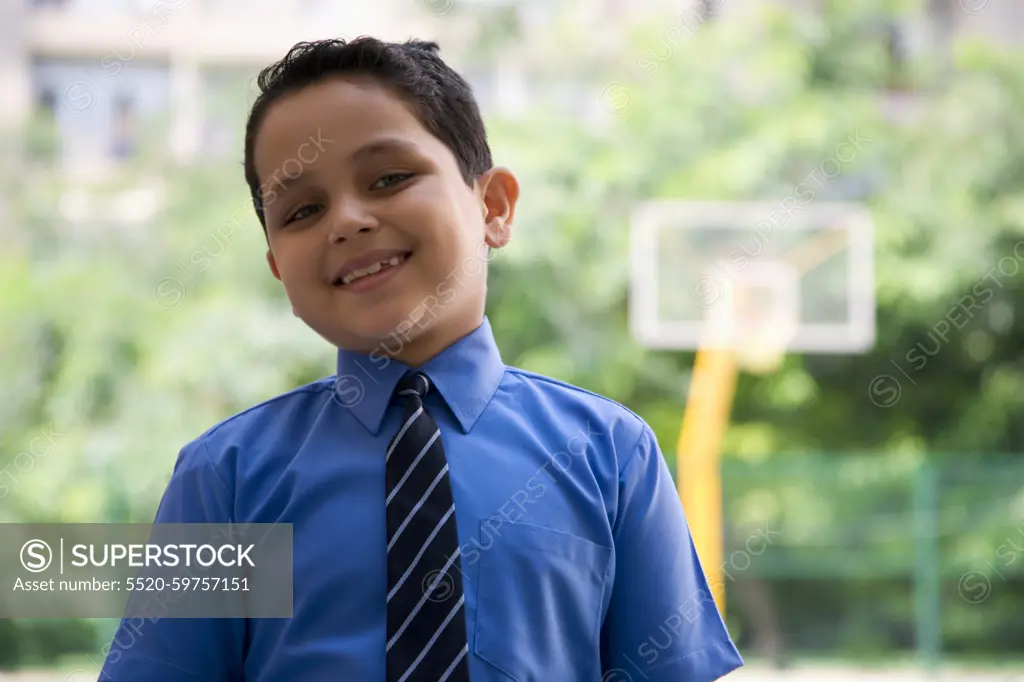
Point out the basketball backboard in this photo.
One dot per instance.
(743, 275)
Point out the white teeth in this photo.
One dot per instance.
(370, 270)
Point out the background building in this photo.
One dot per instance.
(106, 69)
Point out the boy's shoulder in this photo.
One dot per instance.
(290, 408)
(567, 391)
(571, 400)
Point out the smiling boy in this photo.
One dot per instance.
(454, 518)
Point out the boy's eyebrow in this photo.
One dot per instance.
(289, 181)
(383, 146)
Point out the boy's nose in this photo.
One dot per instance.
(349, 221)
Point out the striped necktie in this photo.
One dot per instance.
(426, 622)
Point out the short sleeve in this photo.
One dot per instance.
(182, 649)
(662, 624)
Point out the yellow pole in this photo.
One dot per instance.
(698, 456)
(706, 419)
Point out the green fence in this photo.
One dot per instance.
(873, 554)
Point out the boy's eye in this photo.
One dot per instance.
(302, 212)
(389, 180)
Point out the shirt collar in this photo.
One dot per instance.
(466, 374)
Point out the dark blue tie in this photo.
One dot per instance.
(425, 606)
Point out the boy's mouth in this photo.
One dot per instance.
(377, 270)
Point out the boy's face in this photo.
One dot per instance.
(380, 244)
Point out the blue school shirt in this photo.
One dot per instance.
(578, 563)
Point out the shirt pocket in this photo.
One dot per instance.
(539, 596)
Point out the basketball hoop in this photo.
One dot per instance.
(762, 354)
(769, 320)
(758, 317)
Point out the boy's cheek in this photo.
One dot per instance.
(445, 293)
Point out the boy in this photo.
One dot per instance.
(453, 518)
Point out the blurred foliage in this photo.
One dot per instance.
(123, 341)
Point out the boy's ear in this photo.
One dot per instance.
(273, 266)
(499, 192)
(276, 273)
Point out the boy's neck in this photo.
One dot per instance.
(433, 341)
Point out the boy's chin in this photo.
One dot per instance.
(382, 338)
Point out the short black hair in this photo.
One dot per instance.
(441, 98)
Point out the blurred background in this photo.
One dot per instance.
(886, 486)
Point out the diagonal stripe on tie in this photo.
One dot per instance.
(412, 467)
(456, 611)
(401, 432)
(419, 605)
(458, 659)
(423, 550)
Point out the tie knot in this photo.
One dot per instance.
(413, 384)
